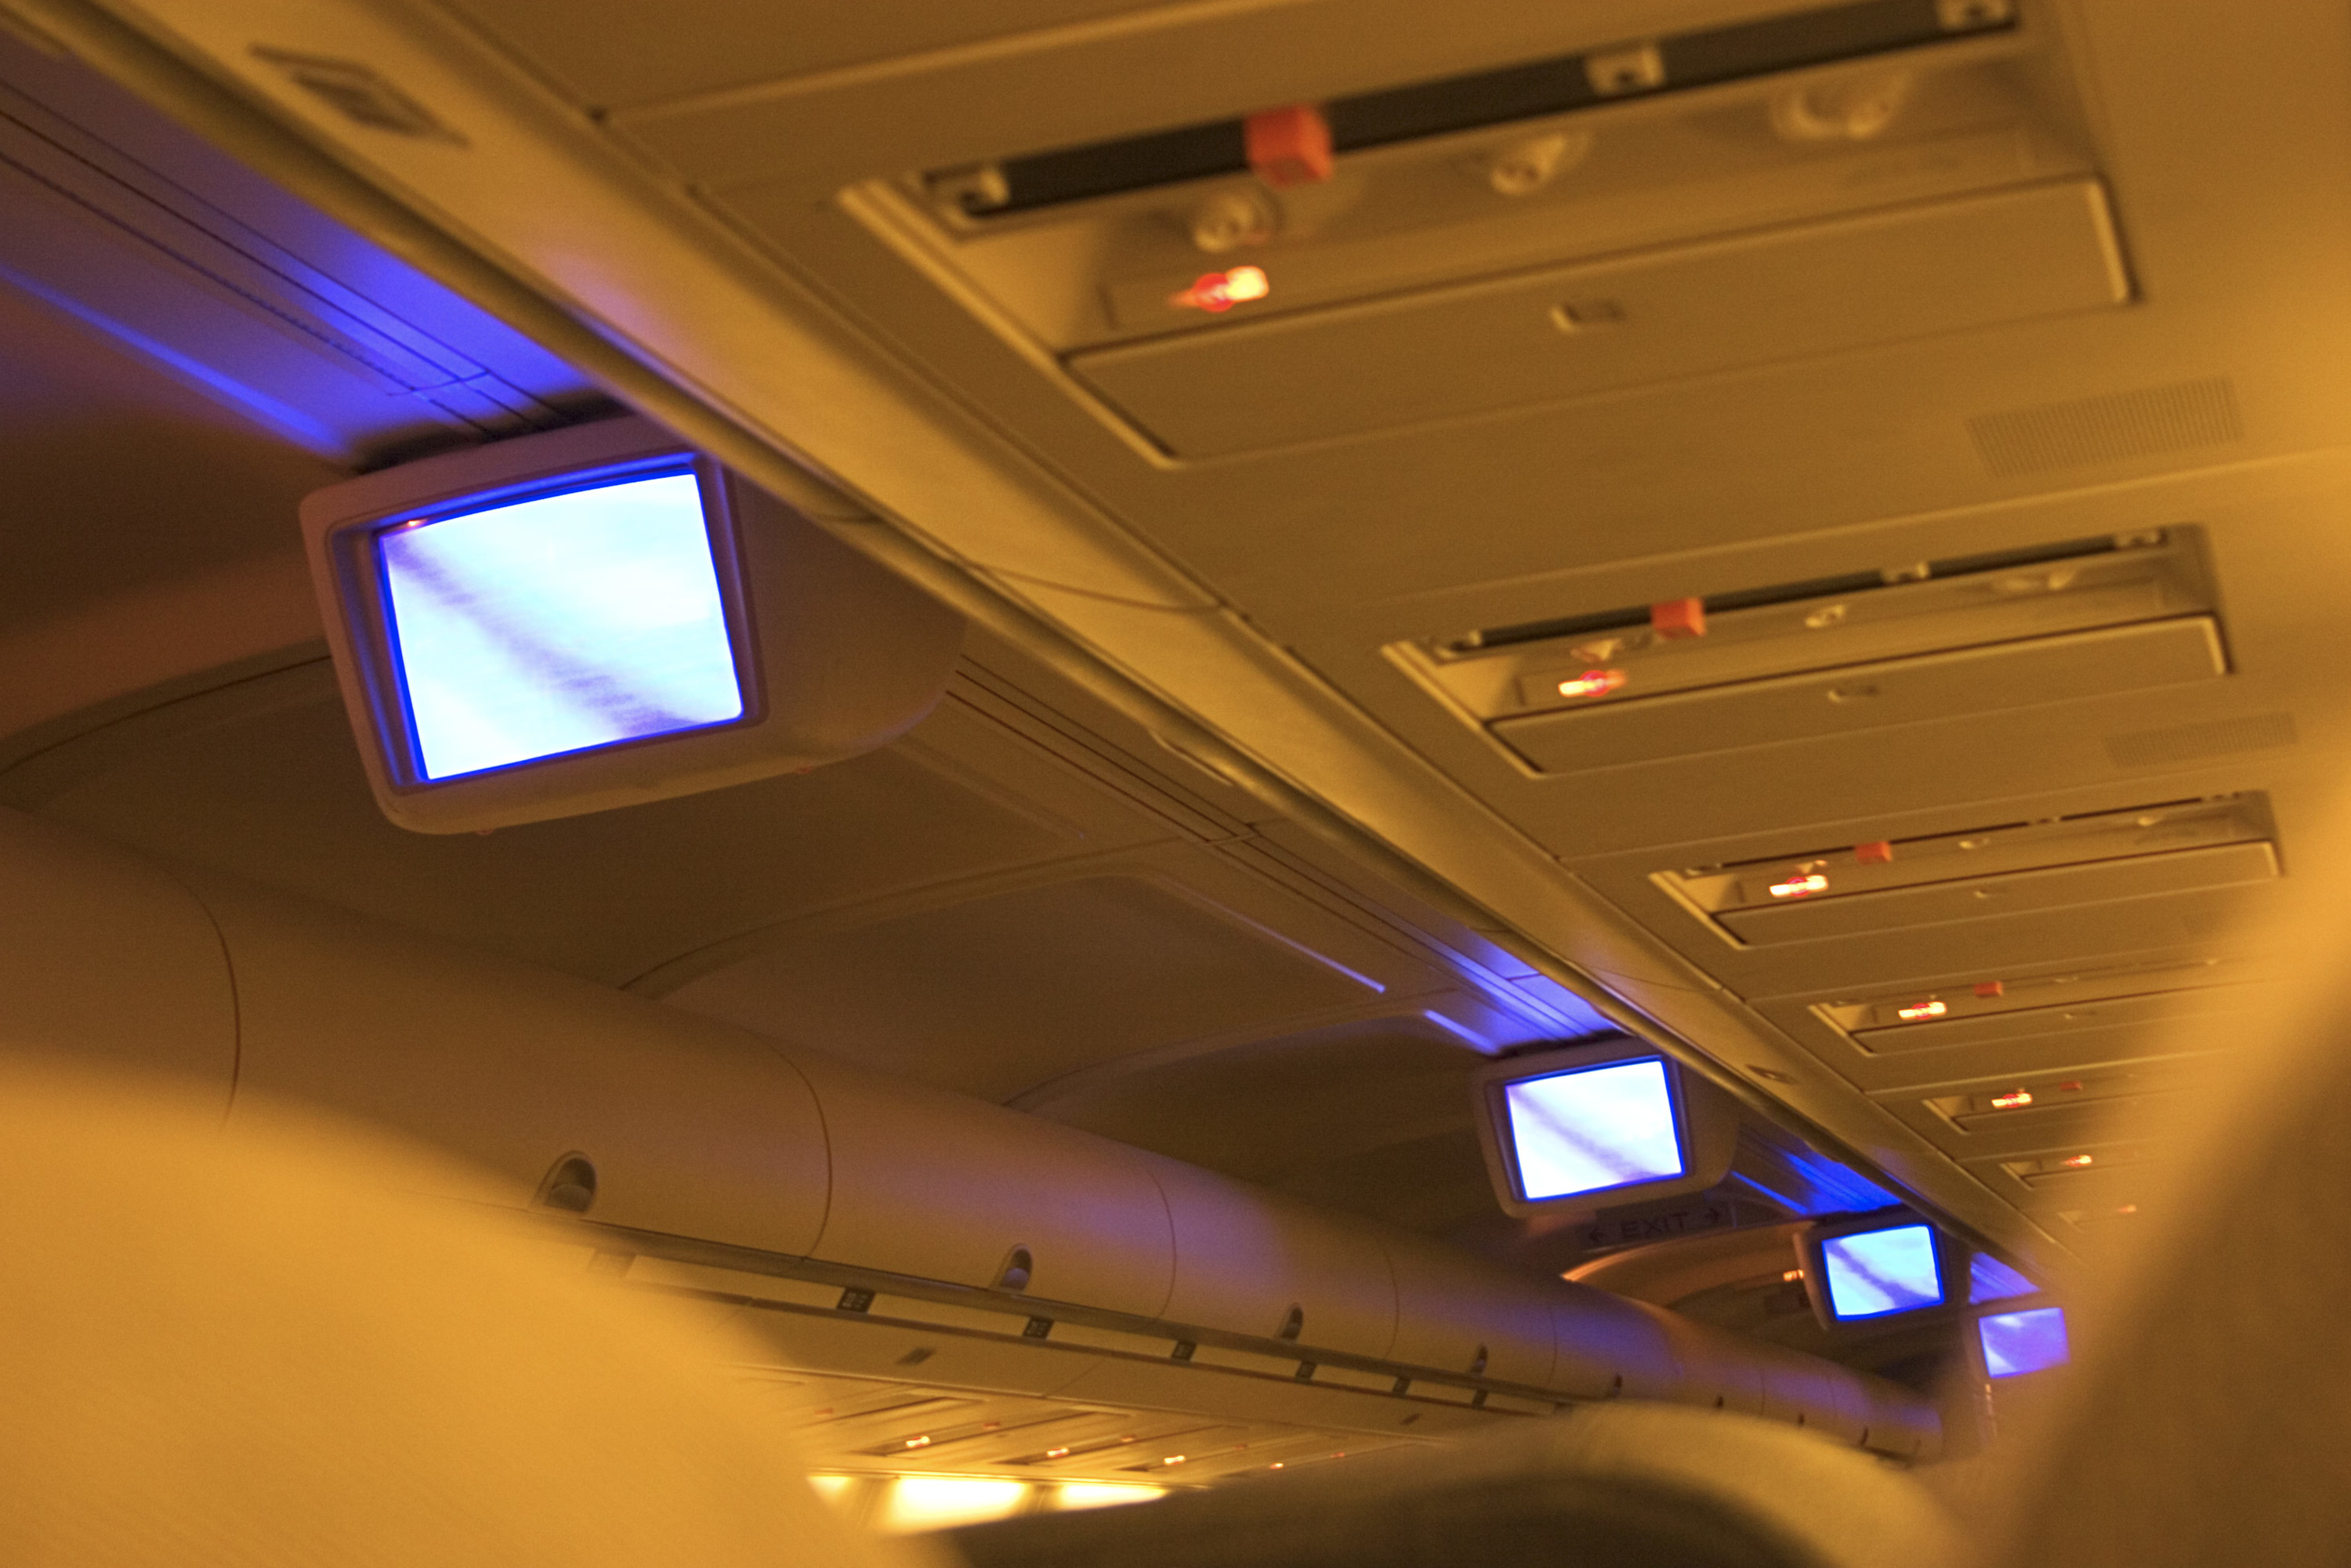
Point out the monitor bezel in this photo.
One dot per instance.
(359, 547)
(1705, 1127)
(1950, 1270)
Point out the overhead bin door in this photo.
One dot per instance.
(1496, 342)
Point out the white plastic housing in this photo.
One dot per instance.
(835, 655)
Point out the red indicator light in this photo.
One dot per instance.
(1217, 292)
(1591, 684)
(2072, 1088)
(2078, 1161)
(1877, 852)
(2010, 1101)
(1918, 1010)
(2127, 1208)
(1991, 989)
(1799, 886)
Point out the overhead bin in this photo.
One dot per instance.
(856, 1217)
(945, 1186)
(1248, 1264)
(1568, 331)
(689, 1128)
(1872, 648)
(106, 960)
(2003, 870)
(1456, 1312)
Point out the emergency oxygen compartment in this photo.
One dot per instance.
(1739, 194)
(1799, 661)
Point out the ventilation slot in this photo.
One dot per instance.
(570, 1186)
(1014, 1274)
(2192, 742)
(2110, 429)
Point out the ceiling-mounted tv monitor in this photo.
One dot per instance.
(1880, 1267)
(2030, 1340)
(1598, 1126)
(597, 617)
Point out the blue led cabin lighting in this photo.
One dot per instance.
(558, 622)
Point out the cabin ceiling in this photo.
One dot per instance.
(2181, 381)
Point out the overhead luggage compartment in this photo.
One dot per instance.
(1741, 301)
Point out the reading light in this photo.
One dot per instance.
(1917, 1010)
(1591, 684)
(2078, 1161)
(1217, 292)
(1799, 886)
(2010, 1101)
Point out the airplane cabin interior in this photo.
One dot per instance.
(1260, 782)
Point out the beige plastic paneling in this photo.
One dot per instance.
(1871, 696)
(1799, 1385)
(1244, 1257)
(1806, 289)
(941, 1186)
(2022, 892)
(1449, 1306)
(107, 960)
(1714, 1372)
(1609, 1346)
(694, 1129)
(849, 1345)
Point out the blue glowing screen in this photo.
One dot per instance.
(1593, 1128)
(558, 622)
(1874, 1272)
(1989, 1280)
(2018, 1343)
